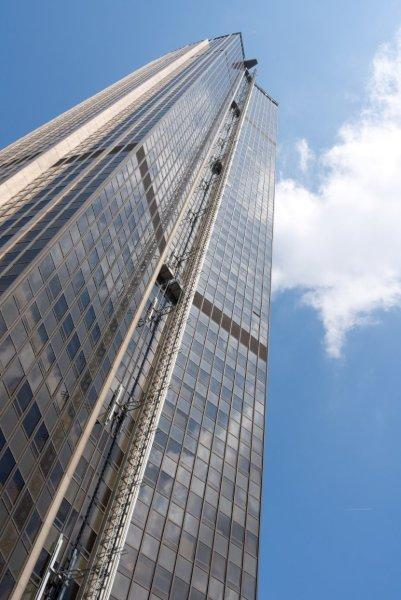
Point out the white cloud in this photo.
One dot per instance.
(305, 154)
(341, 245)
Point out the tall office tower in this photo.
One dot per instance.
(135, 258)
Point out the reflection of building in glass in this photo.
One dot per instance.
(135, 258)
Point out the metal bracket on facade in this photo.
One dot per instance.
(169, 283)
(114, 405)
(50, 568)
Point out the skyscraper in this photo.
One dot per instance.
(135, 260)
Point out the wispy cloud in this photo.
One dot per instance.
(341, 245)
(305, 154)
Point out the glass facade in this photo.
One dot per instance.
(81, 318)
(195, 528)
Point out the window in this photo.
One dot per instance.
(32, 419)
(24, 396)
(23, 510)
(60, 308)
(144, 571)
(15, 486)
(7, 351)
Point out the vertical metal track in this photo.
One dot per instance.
(112, 537)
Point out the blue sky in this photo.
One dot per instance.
(332, 501)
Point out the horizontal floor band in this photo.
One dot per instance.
(230, 326)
